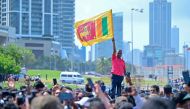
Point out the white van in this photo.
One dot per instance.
(71, 77)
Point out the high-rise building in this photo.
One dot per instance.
(83, 53)
(137, 61)
(160, 24)
(175, 39)
(40, 18)
(7, 35)
(92, 53)
(186, 49)
(105, 49)
(126, 52)
(188, 59)
(66, 19)
(79, 54)
(153, 55)
(173, 59)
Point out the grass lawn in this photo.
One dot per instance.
(55, 74)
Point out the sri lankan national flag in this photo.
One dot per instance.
(96, 29)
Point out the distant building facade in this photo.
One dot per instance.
(173, 59)
(153, 55)
(175, 39)
(38, 18)
(186, 49)
(160, 24)
(79, 54)
(41, 46)
(137, 60)
(7, 35)
(66, 20)
(126, 52)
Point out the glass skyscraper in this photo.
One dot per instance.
(39, 18)
(66, 19)
(175, 39)
(160, 24)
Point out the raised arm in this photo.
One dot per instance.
(114, 47)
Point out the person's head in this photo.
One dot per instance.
(119, 54)
(20, 101)
(38, 85)
(10, 106)
(80, 95)
(158, 103)
(120, 101)
(125, 105)
(56, 87)
(167, 89)
(186, 102)
(178, 99)
(45, 93)
(88, 88)
(155, 89)
(57, 92)
(95, 103)
(46, 102)
(187, 87)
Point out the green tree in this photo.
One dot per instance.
(13, 51)
(27, 57)
(8, 65)
(22, 56)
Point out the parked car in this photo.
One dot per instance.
(71, 77)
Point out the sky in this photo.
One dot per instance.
(180, 17)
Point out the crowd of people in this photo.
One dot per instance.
(38, 96)
(94, 95)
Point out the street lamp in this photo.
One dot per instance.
(133, 10)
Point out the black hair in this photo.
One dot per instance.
(167, 89)
(178, 98)
(88, 88)
(38, 85)
(20, 100)
(10, 105)
(156, 88)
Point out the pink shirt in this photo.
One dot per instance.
(118, 66)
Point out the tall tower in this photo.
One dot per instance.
(39, 18)
(66, 19)
(126, 52)
(160, 24)
(175, 39)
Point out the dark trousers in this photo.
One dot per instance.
(116, 83)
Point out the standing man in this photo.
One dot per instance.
(118, 71)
